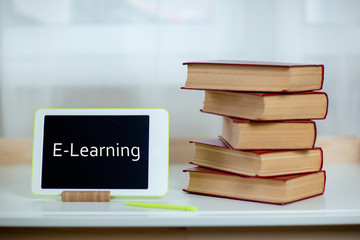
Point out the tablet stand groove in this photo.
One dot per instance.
(85, 196)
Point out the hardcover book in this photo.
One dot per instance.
(254, 76)
(276, 190)
(267, 106)
(246, 135)
(214, 154)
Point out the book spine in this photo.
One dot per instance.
(315, 134)
(322, 77)
(321, 159)
(324, 182)
(327, 105)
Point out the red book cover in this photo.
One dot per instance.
(240, 120)
(262, 94)
(212, 171)
(253, 63)
(221, 143)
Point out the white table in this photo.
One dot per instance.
(340, 205)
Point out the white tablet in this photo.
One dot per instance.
(124, 151)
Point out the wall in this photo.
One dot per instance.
(88, 53)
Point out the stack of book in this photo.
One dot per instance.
(266, 152)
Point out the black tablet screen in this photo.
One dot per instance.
(95, 152)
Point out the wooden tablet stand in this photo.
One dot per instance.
(85, 196)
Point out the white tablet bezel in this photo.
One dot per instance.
(158, 150)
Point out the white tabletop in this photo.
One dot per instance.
(339, 205)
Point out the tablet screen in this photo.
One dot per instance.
(95, 152)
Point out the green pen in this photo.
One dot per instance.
(164, 206)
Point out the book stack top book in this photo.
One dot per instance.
(268, 129)
(254, 76)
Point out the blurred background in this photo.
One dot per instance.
(129, 54)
